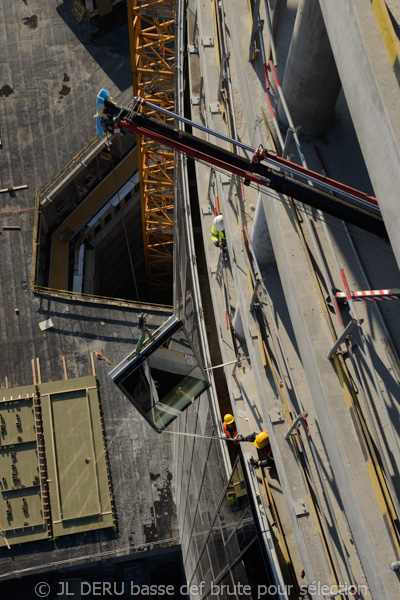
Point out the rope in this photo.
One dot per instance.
(199, 435)
(123, 223)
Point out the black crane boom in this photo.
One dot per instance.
(264, 168)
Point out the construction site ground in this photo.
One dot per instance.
(40, 131)
(52, 71)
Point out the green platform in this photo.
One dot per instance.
(75, 459)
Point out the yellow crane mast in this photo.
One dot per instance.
(151, 34)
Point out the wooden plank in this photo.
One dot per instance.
(65, 367)
(33, 371)
(92, 361)
(38, 371)
(13, 188)
(1, 531)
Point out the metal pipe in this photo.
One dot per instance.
(287, 113)
(324, 273)
(271, 36)
(372, 370)
(227, 72)
(275, 122)
(254, 27)
(293, 426)
(260, 24)
(345, 333)
(325, 276)
(231, 362)
(310, 176)
(322, 514)
(288, 141)
(190, 237)
(368, 285)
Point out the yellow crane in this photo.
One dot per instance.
(151, 34)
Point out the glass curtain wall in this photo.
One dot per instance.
(222, 555)
(219, 538)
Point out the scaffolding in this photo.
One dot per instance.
(151, 33)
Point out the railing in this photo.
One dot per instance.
(68, 167)
(120, 302)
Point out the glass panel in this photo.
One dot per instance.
(241, 583)
(164, 379)
(224, 589)
(217, 550)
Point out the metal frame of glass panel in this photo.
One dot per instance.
(164, 378)
(233, 531)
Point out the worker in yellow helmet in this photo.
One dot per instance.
(229, 427)
(265, 458)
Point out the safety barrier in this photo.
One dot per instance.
(119, 302)
(68, 167)
(35, 242)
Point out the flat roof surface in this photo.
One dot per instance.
(55, 128)
(21, 514)
(79, 483)
(71, 467)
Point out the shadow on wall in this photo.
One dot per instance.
(107, 41)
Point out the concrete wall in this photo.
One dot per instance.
(373, 96)
(311, 83)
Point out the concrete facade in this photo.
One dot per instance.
(373, 96)
(140, 460)
(311, 84)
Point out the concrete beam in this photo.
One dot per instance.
(372, 93)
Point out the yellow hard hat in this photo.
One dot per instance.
(261, 440)
(229, 419)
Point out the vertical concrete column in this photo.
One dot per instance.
(311, 81)
(238, 326)
(260, 237)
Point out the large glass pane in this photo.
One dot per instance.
(164, 378)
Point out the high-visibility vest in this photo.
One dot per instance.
(217, 236)
(229, 435)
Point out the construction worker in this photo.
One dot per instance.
(230, 430)
(229, 427)
(265, 458)
(217, 234)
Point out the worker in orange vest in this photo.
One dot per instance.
(229, 427)
(264, 451)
